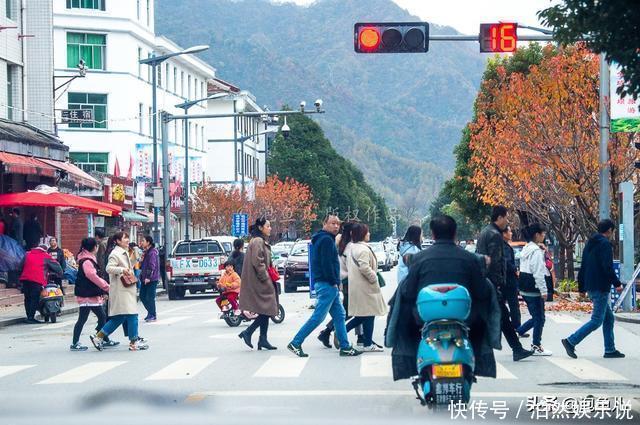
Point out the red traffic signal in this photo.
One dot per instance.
(391, 37)
(498, 38)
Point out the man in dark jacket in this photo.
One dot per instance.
(511, 281)
(596, 277)
(443, 262)
(17, 227)
(325, 271)
(491, 244)
(32, 232)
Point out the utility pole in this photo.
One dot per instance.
(605, 184)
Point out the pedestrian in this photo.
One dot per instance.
(533, 286)
(32, 232)
(490, 243)
(149, 277)
(17, 227)
(365, 297)
(135, 255)
(342, 240)
(409, 245)
(89, 289)
(101, 257)
(229, 285)
(237, 256)
(57, 254)
(595, 277)
(511, 280)
(258, 293)
(122, 298)
(325, 267)
(36, 267)
(445, 262)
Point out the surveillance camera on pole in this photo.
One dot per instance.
(286, 130)
(318, 104)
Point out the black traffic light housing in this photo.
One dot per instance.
(391, 37)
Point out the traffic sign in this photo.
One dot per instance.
(240, 225)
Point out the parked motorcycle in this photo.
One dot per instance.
(233, 318)
(445, 358)
(50, 303)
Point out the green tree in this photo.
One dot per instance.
(609, 26)
(307, 156)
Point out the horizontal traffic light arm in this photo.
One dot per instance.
(455, 37)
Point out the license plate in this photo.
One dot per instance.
(306, 274)
(447, 371)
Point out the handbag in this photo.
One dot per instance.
(273, 274)
(381, 281)
(128, 280)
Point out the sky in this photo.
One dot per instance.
(466, 15)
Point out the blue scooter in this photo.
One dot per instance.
(445, 358)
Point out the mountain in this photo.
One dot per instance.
(396, 117)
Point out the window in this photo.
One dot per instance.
(148, 12)
(202, 90)
(182, 83)
(149, 67)
(90, 161)
(175, 79)
(202, 137)
(159, 71)
(86, 4)
(188, 96)
(239, 161)
(9, 8)
(139, 64)
(175, 132)
(9, 92)
(88, 47)
(138, 9)
(196, 95)
(96, 102)
(256, 166)
(140, 118)
(151, 121)
(166, 76)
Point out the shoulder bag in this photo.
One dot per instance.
(381, 281)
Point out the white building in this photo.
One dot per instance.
(224, 148)
(26, 62)
(111, 37)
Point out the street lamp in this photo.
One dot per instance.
(153, 62)
(185, 107)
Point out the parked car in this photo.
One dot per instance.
(384, 261)
(226, 242)
(279, 254)
(194, 265)
(296, 267)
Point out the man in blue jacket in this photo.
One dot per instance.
(325, 271)
(596, 277)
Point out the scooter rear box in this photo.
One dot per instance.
(443, 301)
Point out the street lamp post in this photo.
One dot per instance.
(153, 62)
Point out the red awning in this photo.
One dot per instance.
(21, 164)
(75, 174)
(57, 199)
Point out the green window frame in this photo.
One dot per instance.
(91, 161)
(86, 4)
(91, 48)
(93, 101)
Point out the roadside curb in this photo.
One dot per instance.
(65, 311)
(628, 318)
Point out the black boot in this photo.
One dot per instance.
(325, 337)
(263, 343)
(246, 337)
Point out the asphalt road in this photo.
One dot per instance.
(198, 371)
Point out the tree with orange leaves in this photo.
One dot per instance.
(212, 207)
(535, 144)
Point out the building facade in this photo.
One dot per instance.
(108, 38)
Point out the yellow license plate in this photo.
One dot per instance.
(447, 371)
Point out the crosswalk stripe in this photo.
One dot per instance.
(586, 369)
(55, 325)
(501, 373)
(170, 320)
(10, 370)
(564, 319)
(182, 369)
(82, 373)
(281, 367)
(373, 366)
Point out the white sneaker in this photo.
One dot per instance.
(138, 345)
(371, 349)
(538, 350)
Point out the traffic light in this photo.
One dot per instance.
(391, 37)
(498, 38)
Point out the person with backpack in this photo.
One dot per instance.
(89, 289)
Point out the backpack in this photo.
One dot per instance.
(84, 287)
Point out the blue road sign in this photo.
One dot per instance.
(240, 225)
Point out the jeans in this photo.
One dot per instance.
(82, 319)
(511, 296)
(601, 316)
(130, 319)
(148, 297)
(549, 282)
(367, 323)
(536, 309)
(328, 302)
(31, 292)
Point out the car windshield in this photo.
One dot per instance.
(300, 249)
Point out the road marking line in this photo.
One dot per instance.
(281, 367)
(185, 306)
(564, 319)
(586, 369)
(169, 320)
(501, 373)
(82, 373)
(10, 370)
(375, 366)
(224, 336)
(54, 325)
(182, 369)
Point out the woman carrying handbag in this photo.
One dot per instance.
(122, 296)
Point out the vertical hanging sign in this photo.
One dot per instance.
(625, 116)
